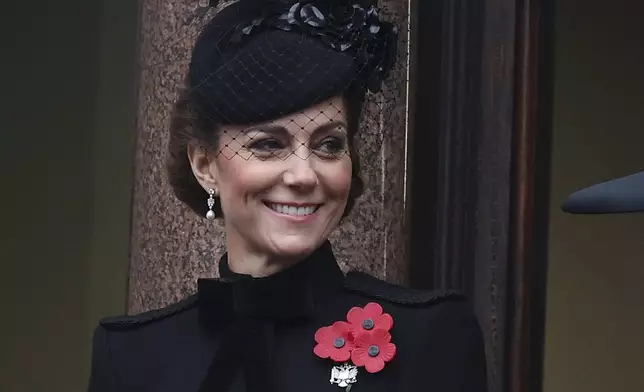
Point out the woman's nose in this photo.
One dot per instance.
(299, 169)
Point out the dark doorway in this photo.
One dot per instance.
(479, 168)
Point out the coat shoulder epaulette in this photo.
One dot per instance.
(369, 286)
(131, 321)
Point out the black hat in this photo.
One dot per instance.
(258, 60)
(625, 194)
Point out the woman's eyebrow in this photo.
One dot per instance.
(329, 126)
(274, 130)
(282, 132)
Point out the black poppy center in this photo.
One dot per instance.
(338, 342)
(373, 351)
(368, 324)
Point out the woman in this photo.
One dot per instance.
(262, 138)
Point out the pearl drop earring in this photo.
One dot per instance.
(210, 215)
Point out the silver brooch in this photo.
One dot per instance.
(344, 375)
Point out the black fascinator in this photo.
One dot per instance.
(259, 60)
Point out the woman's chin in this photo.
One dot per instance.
(295, 246)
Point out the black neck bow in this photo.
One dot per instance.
(245, 310)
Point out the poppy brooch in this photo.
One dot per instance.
(361, 341)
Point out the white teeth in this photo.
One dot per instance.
(291, 210)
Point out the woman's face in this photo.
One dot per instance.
(283, 185)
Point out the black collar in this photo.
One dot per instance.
(289, 294)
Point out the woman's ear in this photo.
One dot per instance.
(204, 166)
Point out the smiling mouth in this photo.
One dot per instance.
(293, 210)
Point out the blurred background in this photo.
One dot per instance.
(68, 112)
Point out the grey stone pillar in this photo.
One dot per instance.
(171, 247)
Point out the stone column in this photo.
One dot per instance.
(171, 247)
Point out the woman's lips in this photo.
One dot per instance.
(297, 213)
(295, 210)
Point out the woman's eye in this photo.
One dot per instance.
(265, 145)
(332, 146)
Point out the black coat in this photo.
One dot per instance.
(257, 334)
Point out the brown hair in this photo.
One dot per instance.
(188, 125)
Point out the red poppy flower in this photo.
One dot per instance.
(373, 349)
(334, 342)
(369, 318)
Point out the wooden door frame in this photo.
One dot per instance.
(479, 167)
